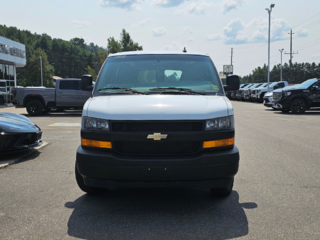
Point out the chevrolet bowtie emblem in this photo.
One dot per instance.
(157, 136)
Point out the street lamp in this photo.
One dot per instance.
(281, 50)
(269, 11)
(41, 71)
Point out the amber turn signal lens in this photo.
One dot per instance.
(96, 144)
(219, 143)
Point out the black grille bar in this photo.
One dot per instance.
(154, 126)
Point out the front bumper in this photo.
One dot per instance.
(110, 170)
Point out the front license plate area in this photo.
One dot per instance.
(157, 173)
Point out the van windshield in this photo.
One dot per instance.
(148, 73)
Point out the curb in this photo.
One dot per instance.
(16, 157)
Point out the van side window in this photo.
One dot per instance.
(69, 85)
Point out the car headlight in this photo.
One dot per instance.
(220, 123)
(286, 94)
(95, 124)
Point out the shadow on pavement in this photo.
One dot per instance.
(60, 114)
(309, 113)
(158, 214)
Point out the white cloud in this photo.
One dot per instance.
(228, 5)
(195, 8)
(79, 24)
(316, 56)
(213, 37)
(186, 30)
(142, 23)
(302, 32)
(190, 39)
(160, 31)
(167, 3)
(238, 32)
(176, 46)
(125, 4)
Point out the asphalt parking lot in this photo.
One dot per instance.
(275, 196)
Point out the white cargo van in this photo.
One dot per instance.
(158, 119)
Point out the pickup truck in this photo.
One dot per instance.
(247, 92)
(268, 97)
(259, 93)
(66, 95)
(232, 94)
(158, 119)
(299, 98)
(239, 94)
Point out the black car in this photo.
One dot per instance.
(17, 132)
(299, 98)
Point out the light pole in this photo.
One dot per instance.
(281, 50)
(269, 11)
(41, 71)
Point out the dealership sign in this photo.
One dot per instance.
(16, 52)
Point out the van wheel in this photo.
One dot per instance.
(298, 106)
(83, 187)
(34, 108)
(222, 192)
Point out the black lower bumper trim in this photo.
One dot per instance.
(216, 183)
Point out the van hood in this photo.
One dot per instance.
(157, 107)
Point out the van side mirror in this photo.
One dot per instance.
(86, 83)
(233, 83)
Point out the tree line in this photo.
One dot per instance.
(300, 73)
(66, 59)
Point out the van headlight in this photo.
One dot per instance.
(95, 124)
(220, 123)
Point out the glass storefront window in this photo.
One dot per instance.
(11, 74)
(1, 71)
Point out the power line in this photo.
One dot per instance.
(306, 20)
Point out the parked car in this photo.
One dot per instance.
(66, 95)
(299, 98)
(234, 93)
(247, 92)
(239, 95)
(18, 133)
(268, 97)
(141, 128)
(260, 92)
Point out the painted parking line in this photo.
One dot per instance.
(65, 125)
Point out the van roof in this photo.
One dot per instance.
(156, 53)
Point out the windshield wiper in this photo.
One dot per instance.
(125, 89)
(186, 90)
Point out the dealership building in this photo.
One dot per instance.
(12, 55)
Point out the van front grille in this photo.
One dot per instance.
(157, 126)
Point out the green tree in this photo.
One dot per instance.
(91, 71)
(34, 70)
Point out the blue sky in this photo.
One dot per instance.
(212, 27)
